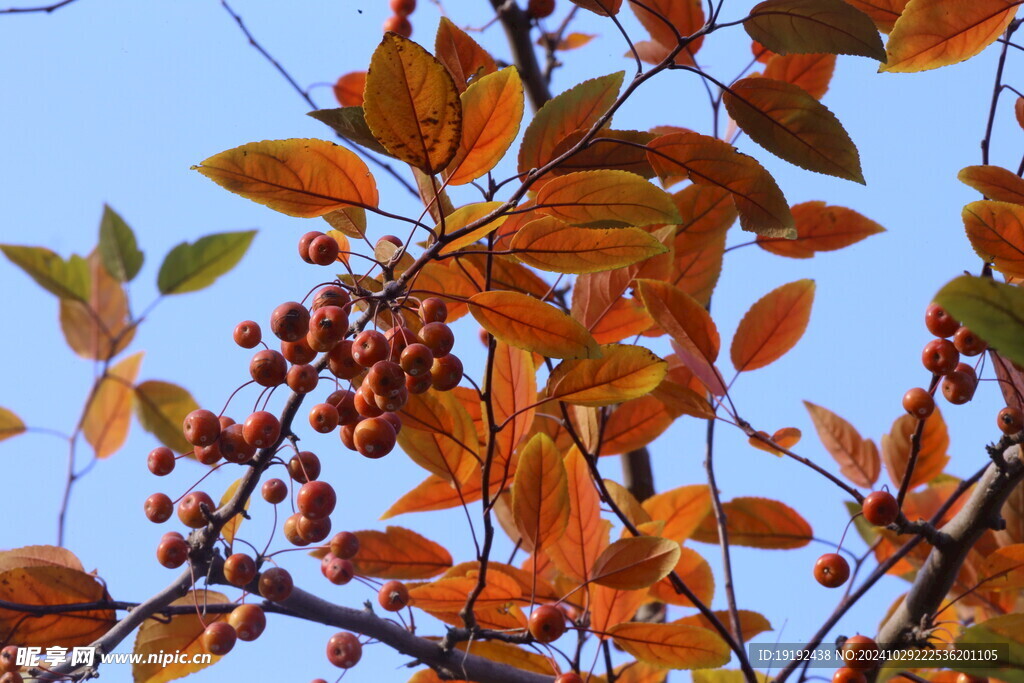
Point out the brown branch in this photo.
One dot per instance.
(45, 8)
(517, 28)
(909, 623)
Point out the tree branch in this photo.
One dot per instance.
(517, 28)
(45, 8)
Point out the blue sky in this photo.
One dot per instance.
(114, 101)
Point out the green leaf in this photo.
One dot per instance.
(191, 267)
(1007, 631)
(994, 311)
(350, 123)
(118, 249)
(66, 279)
(10, 424)
(161, 408)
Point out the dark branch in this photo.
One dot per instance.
(45, 8)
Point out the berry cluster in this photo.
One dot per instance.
(879, 508)
(941, 357)
(399, 21)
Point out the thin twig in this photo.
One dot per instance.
(45, 8)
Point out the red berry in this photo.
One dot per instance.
(344, 401)
(341, 363)
(218, 638)
(418, 385)
(344, 650)
(323, 250)
(348, 434)
(190, 511)
(302, 379)
(304, 466)
(393, 596)
(201, 427)
(261, 429)
(233, 446)
(393, 403)
(313, 530)
(958, 387)
(403, 7)
(940, 356)
(569, 677)
(368, 347)
(268, 368)
(9, 659)
(919, 403)
(546, 624)
(331, 295)
(446, 372)
(938, 322)
(298, 352)
(831, 570)
(225, 422)
(327, 326)
(239, 570)
(316, 499)
(968, 343)
(161, 461)
(208, 455)
(848, 675)
(374, 437)
(172, 552)
(274, 491)
(290, 321)
(968, 678)
(337, 570)
(433, 310)
(399, 338)
(304, 243)
(345, 545)
(276, 584)
(397, 241)
(416, 360)
(880, 508)
(438, 337)
(365, 402)
(247, 334)
(539, 9)
(291, 531)
(323, 418)
(1010, 420)
(858, 653)
(159, 508)
(249, 621)
(394, 420)
(385, 378)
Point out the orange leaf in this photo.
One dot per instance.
(45, 575)
(996, 231)
(1004, 568)
(934, 33)
(601, 8)
(634, 424)
(505, 653)
(707, 161)
(772, 326)
(682, 509)
(537, 588)
(751, 623)
(627, 502)
(398, 553)
(530, 324)
(350, 221)
(857, 457)
(447, 279)
(707, 213)
(620, 373)
(883, 12)
(439, 436)
(696, 573)
(606, 199)
(577, 108)
(605, 152)
(689, 325)
(667, 20)
(464, 217)
(349, 89)
(758, 523)
(514, 389)
(586, 535)
(549, 244)
(492, 109)
(995, 182)
(430, 676)
(298, 177)
(101, 329)
(181, 633)
(640, 672)
(820, 227)
(932, 457)
(789, 123)
(540, 493)
(807, 26)
(412, 106)
(449, 594)
(787, 437)
(810, 73)
(108, 416)
(635, 563)
(433, 493)
(673, 646)
(461, 55)
(610, 606)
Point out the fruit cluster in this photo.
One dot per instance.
(941, 357)
(398, 22)
(879, 508)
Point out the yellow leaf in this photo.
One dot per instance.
(181, 633)
(621, 372)
(10, 424)
(492, 109)
(635, 563)
(531, 324)
(995, 182)
(106, 420)
(934, 33)
(299, 177)
(439, 436)
(549, 244)
(540, 494)
(513, 391)
(464, 216)
(412, 105)
(673, 646)
(161, 408)
(788, 122)
(606, 199)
